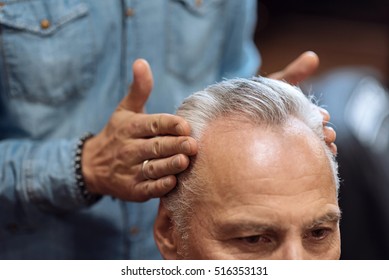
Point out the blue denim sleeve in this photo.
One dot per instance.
(39, 174)
(241, 57)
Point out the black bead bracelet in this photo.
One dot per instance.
(89, 198)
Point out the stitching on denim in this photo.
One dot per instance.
(79, 11)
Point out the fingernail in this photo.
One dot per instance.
(177, 162)
(186, 147)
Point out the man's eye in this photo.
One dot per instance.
(319, 234)
(254, 239)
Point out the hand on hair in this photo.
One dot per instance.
(296, 72)
(329, 132)
(299, 69)
(113, 160)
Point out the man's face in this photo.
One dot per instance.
(269, 194)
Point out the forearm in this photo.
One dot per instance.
(40, 174)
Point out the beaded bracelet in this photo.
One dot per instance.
(89, 198)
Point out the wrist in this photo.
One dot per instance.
(84, 182)
(87, 166)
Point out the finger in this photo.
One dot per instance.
(160, 147)
(148, 189)
(325, 114)
(329, 135)
(140, 88)
(299, 69)
(159, 168)
(158, 124)
(333, 148)
(139, 150)
(136, 151)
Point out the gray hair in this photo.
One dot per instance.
(261, 101)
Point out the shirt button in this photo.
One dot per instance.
(2, 4)
(199, 3)
(129, 12)
(45, 23)
(134, 230)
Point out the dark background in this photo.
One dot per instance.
(342, 33)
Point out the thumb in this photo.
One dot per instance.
(140, 89)
(299, 69)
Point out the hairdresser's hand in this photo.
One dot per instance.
(296, 72)
(299, 69)
(329, 132)
(112, 161)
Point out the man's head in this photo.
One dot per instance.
(263, 185)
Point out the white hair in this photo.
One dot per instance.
(261, 101)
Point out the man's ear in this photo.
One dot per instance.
(164, 234)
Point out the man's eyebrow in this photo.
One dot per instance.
(329, 217)
(245, 226)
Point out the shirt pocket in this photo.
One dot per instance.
(195, 36)
(48, 49)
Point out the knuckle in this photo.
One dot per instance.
(160, 187)
(142, 150)
(120, 133)
(133, 126)
(150, 170)
(157, 188)
(157, 148)
(155, 125)
(148, 190)
(123, 127)
(136, 191)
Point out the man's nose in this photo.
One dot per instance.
(292, 250)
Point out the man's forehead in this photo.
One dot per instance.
(249, 158)
(237, 142)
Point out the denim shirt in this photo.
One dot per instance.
(64, 67)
